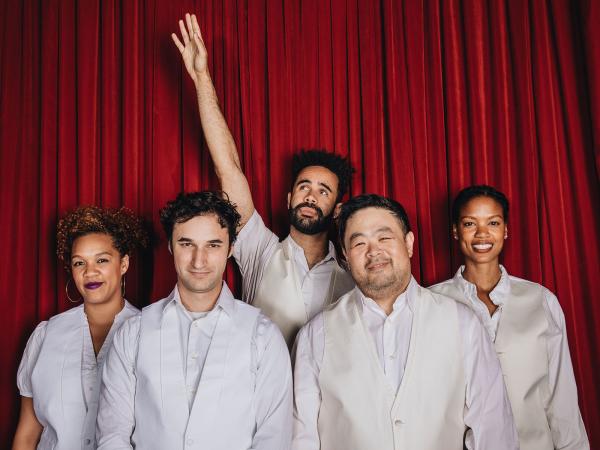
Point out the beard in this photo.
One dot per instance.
(304, 225)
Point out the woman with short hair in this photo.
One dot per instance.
(524, 321)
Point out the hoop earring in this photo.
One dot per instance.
(123, 286)
(67, 292)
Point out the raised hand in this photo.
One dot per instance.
(193, 52)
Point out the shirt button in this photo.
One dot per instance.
(398, 422)
(194, 355)
(87, 441)
(189, 441)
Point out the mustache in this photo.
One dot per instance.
(308, 205)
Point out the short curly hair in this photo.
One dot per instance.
(189, 205)
(338, 165)
(122, 225)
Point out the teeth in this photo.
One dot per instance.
(482, 246)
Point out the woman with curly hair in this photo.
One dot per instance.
(59, 374)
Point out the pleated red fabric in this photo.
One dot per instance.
(425, 97)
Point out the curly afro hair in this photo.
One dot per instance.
(189, 205)
(338, 165)
(122, 225)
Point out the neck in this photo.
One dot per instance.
(199, 301)
(386, 298)
(315, 246)
(484, 276)
(103, 313)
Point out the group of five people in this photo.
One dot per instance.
(378, 362)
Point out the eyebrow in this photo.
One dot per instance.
(320, 183)
(488, 217)
(95, 256)
(212, 241)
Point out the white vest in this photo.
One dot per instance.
(163, 419)
(359, 408)
(57, 387)
(279, 295)
(522, 351)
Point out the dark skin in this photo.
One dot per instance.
(481, 231)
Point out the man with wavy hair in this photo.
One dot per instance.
(198, 369)
(292, 280)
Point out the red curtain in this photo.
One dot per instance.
(425, 96)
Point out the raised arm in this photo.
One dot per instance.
(216, 132)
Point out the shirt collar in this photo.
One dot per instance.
(226, 301)
(498, 295)
(331, 254)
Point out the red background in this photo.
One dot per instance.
(425, 96)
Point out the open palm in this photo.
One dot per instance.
(193, 52)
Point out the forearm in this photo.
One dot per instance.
(221, 146)
(29, 429)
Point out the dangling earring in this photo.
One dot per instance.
(123, 286)
(67, 292)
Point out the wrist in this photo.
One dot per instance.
(202, 77)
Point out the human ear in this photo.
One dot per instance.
(409, 239)
(336, 210)
(124, 264)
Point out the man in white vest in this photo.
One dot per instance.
(391, 365)
(198, 369)
(292, 280)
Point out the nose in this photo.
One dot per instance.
(310, 198)
(198, 258)
(482, 230)
(373, 250)
(90, 269)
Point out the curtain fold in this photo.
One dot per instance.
(425, 97)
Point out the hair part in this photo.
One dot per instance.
(335, 163)
(189, 205)
(371, 201)
(122, 225)
(481, 190)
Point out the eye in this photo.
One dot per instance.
(495, 223)
(468, 223)
(185, 244)
(384, 238)
(214, 245)
(325, 192)
(304, 187)
(102, 260)
(77, 263)
(358, 244)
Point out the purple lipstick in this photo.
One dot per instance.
(94, 285)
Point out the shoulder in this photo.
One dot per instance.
(73, 314)
(442, 287)
(438, 297)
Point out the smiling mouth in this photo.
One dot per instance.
(377, 266)
(482, 247)
(92, 286)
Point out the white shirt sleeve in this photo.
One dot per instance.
(116, 418)
(487, 408)
(308, 351)
(252, 250)
(273, 391)
(564, 417)
(30, 356)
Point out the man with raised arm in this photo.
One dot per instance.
(291, 281)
